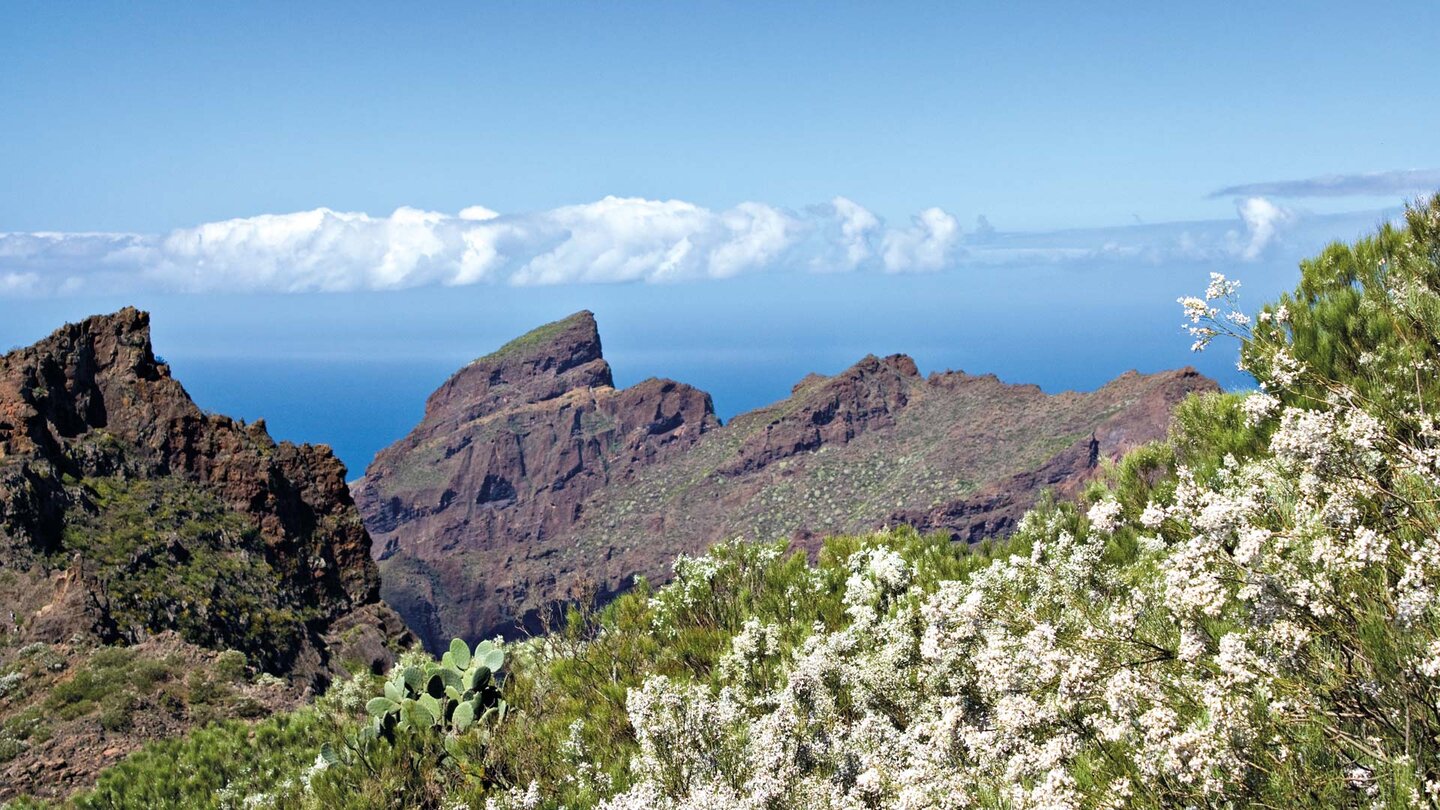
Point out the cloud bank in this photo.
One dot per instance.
(1402, 183)
(611, 240)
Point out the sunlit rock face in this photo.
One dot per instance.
(126, 511)
(532, 480)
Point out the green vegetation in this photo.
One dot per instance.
(539, 336)
(1366, 315)
(450, 695)
(168, 555)
(218, 766)
(565, 692)
(50, 691)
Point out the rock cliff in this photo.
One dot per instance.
(532, 480)
(126, 511)
(499, 472)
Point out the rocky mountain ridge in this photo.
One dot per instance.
(91, 403)
(532, 480)
(134, 525)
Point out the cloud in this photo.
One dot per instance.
(929, 244)
(846, 236)
(608, 241)
(1264, 220)
(611, 240)
(1400, 183)
(1261, 231)
(18, 283)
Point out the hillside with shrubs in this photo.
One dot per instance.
(1244, 614)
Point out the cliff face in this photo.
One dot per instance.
(125, 512)
(498, 474)
(532, 480)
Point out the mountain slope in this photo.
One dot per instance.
(131, 519)
(532, 480)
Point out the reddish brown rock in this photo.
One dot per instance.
(92, 402)
(996, 508)
(532, 479)
(475, 485)
(831, 410)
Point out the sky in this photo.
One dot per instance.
(329, 208)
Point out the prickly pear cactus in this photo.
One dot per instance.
(450, 696)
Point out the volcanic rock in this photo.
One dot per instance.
(126, 511)
(533, 481)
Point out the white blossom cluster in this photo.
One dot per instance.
(1204, 318)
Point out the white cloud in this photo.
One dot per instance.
(756, 237)
(857, 229)
(929, 244)
(1264, 220)
(620, 239)
(18, 283)
(478, 213)
(1399, 183)
(611, 240)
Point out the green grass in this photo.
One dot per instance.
(532, 340)
(218, 766)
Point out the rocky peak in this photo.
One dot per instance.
(532, 481)
(831, 410)
(95, 432)
(541, 364)
(59, 387)
(510, 449)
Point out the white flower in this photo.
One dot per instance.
(1196, 309)
(1153, 516)
(1221, 288)
(1429, 666)
(1104, 515)
(1258, 407)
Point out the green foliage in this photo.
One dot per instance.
(1364, 315)
(1207, 429)
(111, 681)
(231, 665)
(218, 766)
(448, 696)
(168, 555)
(426, 736)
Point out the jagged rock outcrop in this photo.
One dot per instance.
(126, 511)
(831, 411)
(510, 450)
(532, 480)
(996, 508)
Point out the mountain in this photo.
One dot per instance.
(137, 529)
(532, 480)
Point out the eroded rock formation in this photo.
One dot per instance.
(126, 511)
(532, 480)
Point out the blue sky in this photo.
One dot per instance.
(328, 208)
(147, 117)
